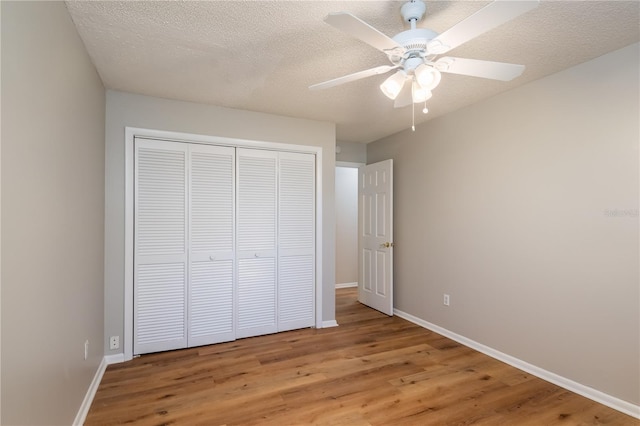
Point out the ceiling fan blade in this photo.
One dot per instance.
(355, 76)
(405, 96)
(362, 31)
(487, 18)
(477, 68)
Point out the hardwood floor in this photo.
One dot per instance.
(371, 370)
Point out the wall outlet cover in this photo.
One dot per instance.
(114, 342)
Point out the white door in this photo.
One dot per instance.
(296, 240)
(211, 243)
(160, 246)
(184, 245)
(256, 242)
(375, 236)
(224, 243)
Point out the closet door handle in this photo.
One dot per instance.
(212, 257)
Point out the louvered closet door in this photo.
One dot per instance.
(296, 241)
(256, 242)
(211, 260)
(160, 246)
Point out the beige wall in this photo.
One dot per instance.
(346, 225)
(351, 152)
(0, 219)
(52, 215)
(524, 208)
(124, 109)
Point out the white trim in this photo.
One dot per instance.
(349, 164)
(130, 134)
(93, 387)
(319, 238)
(114, 359)
(329, 324)
(91, 393)
(127, 336)
(586, 391)
(347, 285)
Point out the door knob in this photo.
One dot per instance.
(387, 245)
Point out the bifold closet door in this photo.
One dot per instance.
(224, 243)
(160, 246)
(256, 246)
(276, 241)
(211, 244)
(184, 245)
(296, 241)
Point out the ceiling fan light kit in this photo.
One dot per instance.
(391, 86)
(419, 93)
(428, 77)
(414, 52)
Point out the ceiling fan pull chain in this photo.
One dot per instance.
(413, 116)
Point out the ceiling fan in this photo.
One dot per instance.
(415, 53)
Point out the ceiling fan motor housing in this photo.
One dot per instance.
(415, 43)
(417, 39)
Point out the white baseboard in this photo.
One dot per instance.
(114, 359)
(91, 392)
(93, 387)
(347, 285)
(328, 324)
(586, 391)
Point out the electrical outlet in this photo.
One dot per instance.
(86, 349)
(446, 300)
(114, 342)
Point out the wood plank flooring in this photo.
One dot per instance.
(371, 370)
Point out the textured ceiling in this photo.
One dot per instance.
(262, 55)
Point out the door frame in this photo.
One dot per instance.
(130, 134)
(350, 165)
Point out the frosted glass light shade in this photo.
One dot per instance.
(393, 85)
(419, 94)
(427, 77)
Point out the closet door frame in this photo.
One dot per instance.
(130, 134)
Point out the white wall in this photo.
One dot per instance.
(52, 215)
(124, 109)
(524, 208)
(346, 225)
